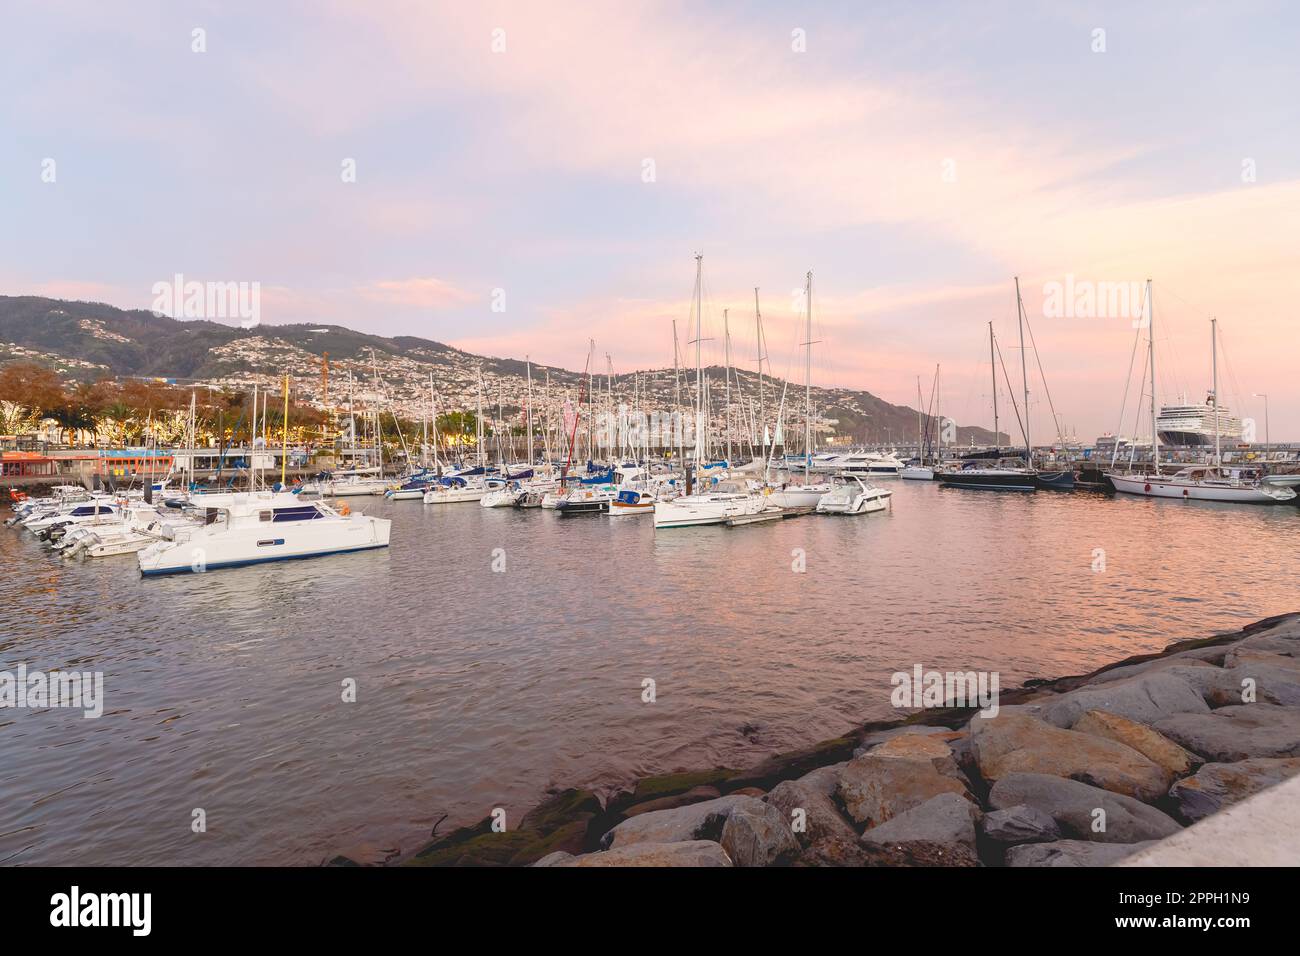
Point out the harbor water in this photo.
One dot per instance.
(498, 653)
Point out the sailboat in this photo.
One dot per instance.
(922, 471)
(726, 499)
(807, 493)
(997, 477)
(1199, 482)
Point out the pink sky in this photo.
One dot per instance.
(915, 160)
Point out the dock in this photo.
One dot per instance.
(771, 514)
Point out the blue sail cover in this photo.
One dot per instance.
(600, 478)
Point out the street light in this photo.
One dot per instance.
(1268, 447)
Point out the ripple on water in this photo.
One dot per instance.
(477, 689)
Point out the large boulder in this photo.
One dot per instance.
(1200, 657)
(1145, 698)
(697, 821)
(685, 853)
(1237, 733)
(1072, 853)
(945, 819)
(1073, 806)
(1021, 744)
(824, 779)
(1156, 747)
(812, 814)
(1217, 785)
(1019, 824)
(1274, 678)
(758, 836)
(877, 786)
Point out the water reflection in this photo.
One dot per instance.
(478, 689)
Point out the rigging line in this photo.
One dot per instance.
(1012, 395)
(1043, 375)
(1128, 383)
(1137, 413)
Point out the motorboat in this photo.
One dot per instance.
(854, 496)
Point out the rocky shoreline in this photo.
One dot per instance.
(1077, 771)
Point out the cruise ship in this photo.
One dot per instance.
(1193, 425)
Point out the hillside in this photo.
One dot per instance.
(89, 340)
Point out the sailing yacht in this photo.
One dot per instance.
(1009, 474)
(1202, 482)
(1005, 475)
(727, 499)
(807, 493)
(921, 471)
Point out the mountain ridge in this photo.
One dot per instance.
(86, 340)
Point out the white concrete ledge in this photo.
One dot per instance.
(1263, 830)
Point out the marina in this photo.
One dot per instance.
(644, 436)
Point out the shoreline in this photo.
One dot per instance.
(1077, 770)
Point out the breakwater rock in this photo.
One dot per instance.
(1078, 771)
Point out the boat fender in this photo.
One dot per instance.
(1147, 489)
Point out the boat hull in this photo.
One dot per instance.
(989, 480)
(1055, 480)
(917, 473)
(798, 496)
(209, 550)
(1150, 486)
(683, 513)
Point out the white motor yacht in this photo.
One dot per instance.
(853, 496)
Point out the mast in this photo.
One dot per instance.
(920, 451)
(677, 388)
(938, 420)
(1024, 375)
(591, 355)
(701, 438)
(807, 380)
(433, 418)
(1151, 332)
(758, 334)
(284, 452)
(529, 364)
(1214, 364)
(478, 423)
(726, 338)
(993, 367)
